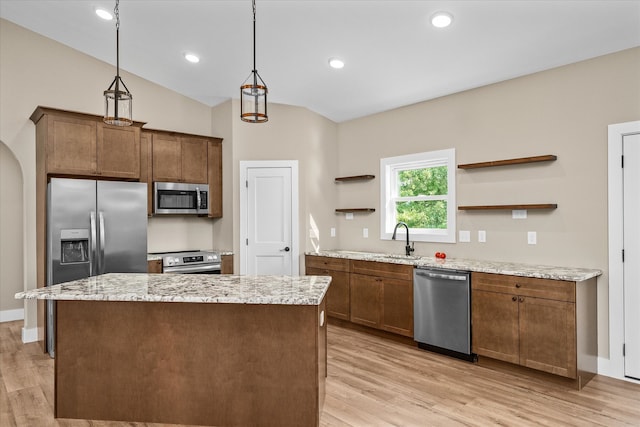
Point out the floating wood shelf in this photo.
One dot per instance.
(355, 178)
(522, 160)
(356, 210)
(508, 207)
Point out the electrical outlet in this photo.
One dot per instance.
(464, 236)
(482, 236)
(333, 232)
(348, 215)
(365, 232)
(532, 237)
(519, 214)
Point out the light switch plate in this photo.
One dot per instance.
(333, 232)
(482, 236)
(348, 215)
(532, 237)
(365, 232)
(464, 236)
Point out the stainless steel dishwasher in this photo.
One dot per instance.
(442, 311)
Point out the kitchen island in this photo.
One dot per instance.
(190, 349)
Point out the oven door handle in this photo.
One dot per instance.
(208, 268)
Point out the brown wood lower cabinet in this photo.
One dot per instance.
(374, 294)
(338, 303)
(226, 265)
(534, 323)
(154, 266)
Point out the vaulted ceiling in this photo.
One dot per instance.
(393, 55)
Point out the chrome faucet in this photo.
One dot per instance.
(408, 249)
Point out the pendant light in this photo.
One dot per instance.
(117, 99)
(253, 92)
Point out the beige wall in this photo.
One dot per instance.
(564, 111)
(11, 230)
(293, 133)
(36, 71)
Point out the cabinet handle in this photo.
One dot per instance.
(518, 285)
(378, 279)
(514, 298)
(521, 299)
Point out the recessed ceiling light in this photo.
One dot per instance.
(441, 19)
(104, 14)
(191, 58)
(336, 63)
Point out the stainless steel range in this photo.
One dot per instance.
(190, 262)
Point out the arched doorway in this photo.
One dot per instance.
(11, 236)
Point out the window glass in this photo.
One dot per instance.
(419, 190)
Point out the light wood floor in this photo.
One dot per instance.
(371, 382)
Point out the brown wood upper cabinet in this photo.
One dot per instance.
(178, 158)
(79, 144)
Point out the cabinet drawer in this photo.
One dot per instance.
(526, 286)
(383, 269)
(327, 263)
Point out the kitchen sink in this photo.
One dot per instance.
(398, 256)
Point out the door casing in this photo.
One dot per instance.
(614, 365)
(245, 165)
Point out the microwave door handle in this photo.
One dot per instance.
(101, 258)
(197, 198)
(92, 255)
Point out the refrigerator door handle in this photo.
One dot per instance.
(93, 256)
(101, 258)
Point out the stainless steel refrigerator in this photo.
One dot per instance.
(93, 227)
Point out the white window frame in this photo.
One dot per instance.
(388, 172)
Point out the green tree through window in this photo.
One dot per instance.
(420, 190)
(415, 186)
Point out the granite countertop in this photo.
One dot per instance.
(510, 268)
(195, 288)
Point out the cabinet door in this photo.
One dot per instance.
(366, 294)
(397, 306)
(226, 266)
(71, 146)
(167, 163)
(548, 335)
(154, 266)
(495, 325)
(337, 297)
(194, 160)
(118, 151)
(215, 179)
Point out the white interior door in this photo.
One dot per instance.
(269, 213)
(631, 185)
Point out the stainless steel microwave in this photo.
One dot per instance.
(180, 198)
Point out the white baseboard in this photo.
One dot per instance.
(614, 368)
(29, 335)
(11, 315)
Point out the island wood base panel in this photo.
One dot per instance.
(190, 363)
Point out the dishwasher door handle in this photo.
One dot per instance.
(441, 276)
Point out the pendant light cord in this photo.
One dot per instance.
(116, 11)
(255, 79)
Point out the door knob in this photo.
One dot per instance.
(286, 249)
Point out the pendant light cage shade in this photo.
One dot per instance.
(117, 98)
(253, 92)
(118, 104)
(253, 99)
